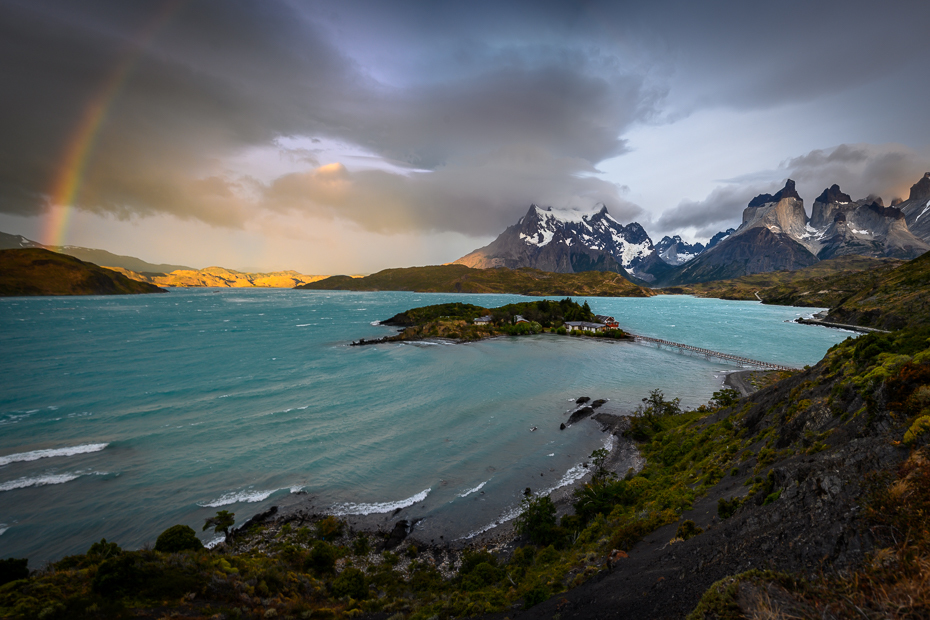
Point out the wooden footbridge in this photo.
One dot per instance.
(742, 361)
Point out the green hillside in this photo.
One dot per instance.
(890, 299)
(462, 279)
(822, 285)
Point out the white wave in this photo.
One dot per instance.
(297, 488)
(305, 325)
(3, 527)
(214, 541)
(509, 515)
(378, 508)
(236, 497)
(475, 490)
(41, 481)
(574, 474)
(35, 455)
(375, 323)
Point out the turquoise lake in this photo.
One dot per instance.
(121, 416)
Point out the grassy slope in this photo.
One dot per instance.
(34, 271)
(897, 298)
(462, 279)
(825, 284)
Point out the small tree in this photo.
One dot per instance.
(725, 397)
(537, 521)
(599, 458)
(178, 538)
(221, 522)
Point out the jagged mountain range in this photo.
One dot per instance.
(567, 241)
(775, 234)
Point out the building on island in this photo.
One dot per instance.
(483, 320)
(519, 319)
(608, 321)
(584, 326)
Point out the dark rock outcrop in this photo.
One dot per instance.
(920, 189)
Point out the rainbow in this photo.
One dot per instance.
(77, 151)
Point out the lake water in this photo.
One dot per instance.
(121, 416)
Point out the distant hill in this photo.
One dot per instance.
(822, 285)
(97, 257)
(462, 279)
(36, 271)
(221, 277)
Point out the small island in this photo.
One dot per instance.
(460, 322)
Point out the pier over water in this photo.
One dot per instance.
(742, 361)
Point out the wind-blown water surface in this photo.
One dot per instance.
(121, 416)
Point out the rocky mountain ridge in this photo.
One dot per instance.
(570, 241)
(776, 234)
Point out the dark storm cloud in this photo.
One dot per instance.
(502, 103)
(223, 76)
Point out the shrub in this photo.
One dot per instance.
(13, 569)
(118, 576)
(329, 528)
(471, 559)
(322, 557)
(482, 575)
(361, 545)
(726, 508)
(535, 596)
(547, 555)
(351, 582)
(725, 397)
(178, 538)
(523, 556)
(688, 529)
(102, 550)
(920, 427)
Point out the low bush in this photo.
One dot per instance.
(351, 582)
(178, 538)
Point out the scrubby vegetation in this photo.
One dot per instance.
(822, 285)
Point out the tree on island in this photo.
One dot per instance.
(221, 522)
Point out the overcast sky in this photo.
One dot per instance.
(348, 137)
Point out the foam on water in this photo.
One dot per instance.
(41, 481)
(378, 508)
(214, 541)
(475, 490)
(3, 527)
(239, 497)
(35, 455)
